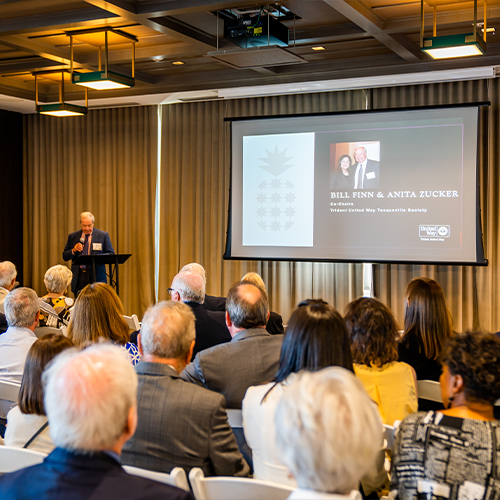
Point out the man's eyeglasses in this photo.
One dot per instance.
(171, 291)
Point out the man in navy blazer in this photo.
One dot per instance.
(90, 400)
(87, 241)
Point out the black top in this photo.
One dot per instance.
(410, 351)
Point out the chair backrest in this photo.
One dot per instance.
(9, 391)
(132, 322)
(12, 459)
(388, 436)
(235, 419)
(230, 488)
(430, 390)
(177, 476)
(40, 331)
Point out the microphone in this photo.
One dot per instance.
(82, 240)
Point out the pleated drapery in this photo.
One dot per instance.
(105, 163)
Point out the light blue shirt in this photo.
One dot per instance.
(14, 346)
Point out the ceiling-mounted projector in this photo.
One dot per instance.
(256, 31)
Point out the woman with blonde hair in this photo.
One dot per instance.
(98, 314)
(427, 327)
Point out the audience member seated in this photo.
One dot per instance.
(179, 424)
(316, 337)
(391, 384)
(8, 275)
(251, 357)
(90, 400)
(428, 325)
(57, 279)
(211, 329)
(98, 314)
(275, 322)
(27, 425)
(328, 434)
(211, 302)
(453, 453)
(22, 310)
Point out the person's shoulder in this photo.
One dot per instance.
(257, 392)
(415, 418)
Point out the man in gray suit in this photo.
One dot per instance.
(179, 424)
(252, 356)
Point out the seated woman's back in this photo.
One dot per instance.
(391, 384)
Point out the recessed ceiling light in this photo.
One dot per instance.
(319, 47)
(177, 63)
(157, 59)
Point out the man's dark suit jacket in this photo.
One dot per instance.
(69, 476)
(98, 236)
(251, 358)
(274, 325)
(210, 328)
(181, 425)
(372, 167)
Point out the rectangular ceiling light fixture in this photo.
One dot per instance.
(61, 109)
(102, 79)
(452, 46)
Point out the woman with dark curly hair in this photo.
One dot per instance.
(428, 325)
(453, 453)
(373, 333)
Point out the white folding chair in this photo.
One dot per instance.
(9, 394)
(388, 437)
(12, 459)
(40, 331)
(235, 419)
(229, 488)
(132, 322)
(429, 390)
(177, 476)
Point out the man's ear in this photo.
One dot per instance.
(228, 320)
(139, 344)
(131, 424)
(458, 384)
(189, 354)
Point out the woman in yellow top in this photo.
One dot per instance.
(390, 383)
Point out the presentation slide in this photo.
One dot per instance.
(392, 186)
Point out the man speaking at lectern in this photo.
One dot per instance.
(87, 241)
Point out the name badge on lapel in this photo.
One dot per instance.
(97, 247)
(370, 175)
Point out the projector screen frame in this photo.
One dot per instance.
(479, 237)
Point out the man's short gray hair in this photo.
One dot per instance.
(328, 431)
(190, 286)
(87, 214)
(167, 330)
(244, 311)
(87, 397)
(7, 273)
(21, 306)
(194, 267)
(57, 279)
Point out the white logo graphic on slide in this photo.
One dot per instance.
(433, 231)
(276, 197)
(278, 179)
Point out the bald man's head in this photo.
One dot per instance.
(247, 305)
(190, 286)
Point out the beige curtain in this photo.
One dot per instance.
(470, 291)
(195, 162)
(106, 163)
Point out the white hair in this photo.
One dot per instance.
(194, 267)
(167, 330)
(57, 279)
(190, 286)
(328, 431)
(21, 306)
(88, 396)
(256, 279)
(87, 214)
(7, 273)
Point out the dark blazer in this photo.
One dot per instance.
(274, 325)
(64, 475)
(98, 236)
(251, 358)
(210, 330)
(372, 174)
(181, 425)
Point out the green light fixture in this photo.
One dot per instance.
(452, 46)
